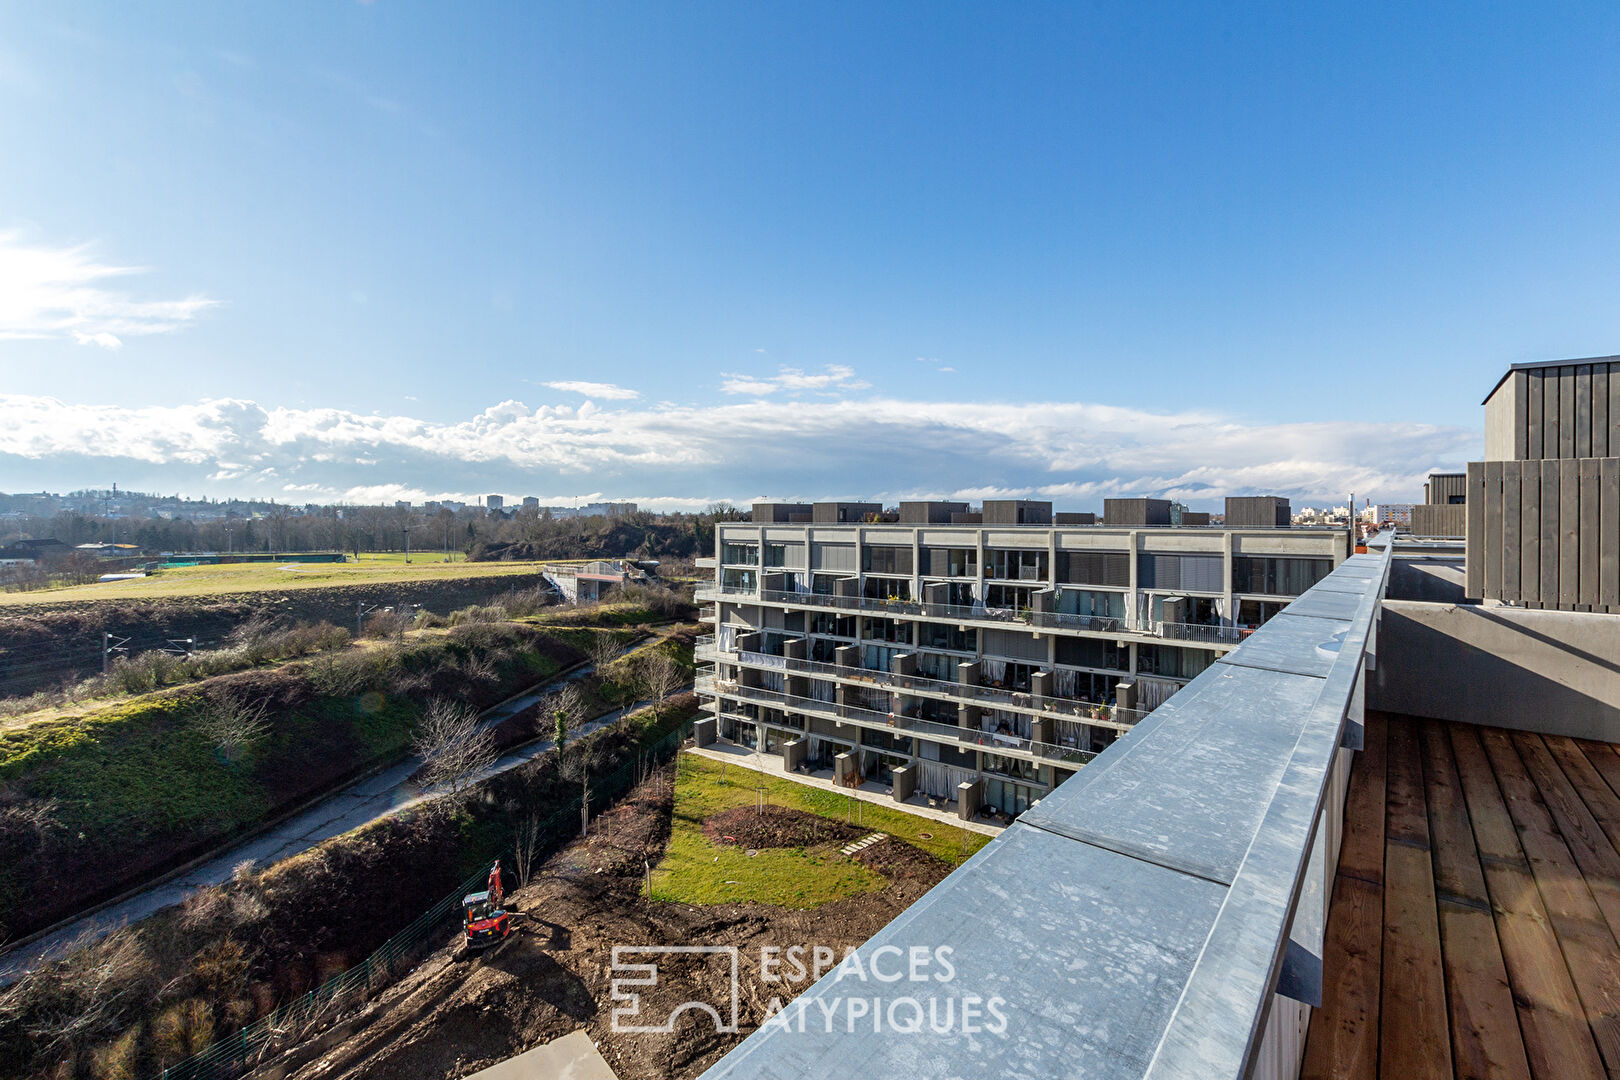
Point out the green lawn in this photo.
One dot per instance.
(219, 579)
(696, 871)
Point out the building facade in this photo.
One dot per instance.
(973, 662)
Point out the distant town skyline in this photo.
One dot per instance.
(675, 255)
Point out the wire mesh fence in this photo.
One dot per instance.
(287, 1026)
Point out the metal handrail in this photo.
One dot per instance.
(1064, 708)
(1197, 633)
(986, 740)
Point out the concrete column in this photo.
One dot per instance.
(1228, 602)
(1041, 729)
(844, 767)
(703, 731)
(1131, 605)
(1125, 694)
(905, 782)
(1040, 686)
(937, 592)
(794, 752)
(967, 716)
(967, 673)
(847, 656)
(969, 797)
(796, 649)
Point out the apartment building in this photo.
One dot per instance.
(974, 657)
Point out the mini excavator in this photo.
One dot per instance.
(486, 921)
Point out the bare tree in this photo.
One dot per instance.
(526, 846)
(602, 650)
(577, 767)
(660, 676)
(453, 746)
(231, 724)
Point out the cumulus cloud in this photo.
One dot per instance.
(66, 293)
(836, 377)
(1075, 453)
(606, 391)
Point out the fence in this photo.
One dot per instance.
(284, 1028)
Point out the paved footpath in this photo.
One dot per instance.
(360, 803)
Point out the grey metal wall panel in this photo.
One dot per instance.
(1566, 413)
(1590, 525)
(1600, 412)
(1614, 410)
(1474, 559)
(1505, 534)
(1583, 410)
(1533, 413)
(1445, 520)
(1569, 532)
(1530, 531)
(1609, 551)
(1521, 437)
(1549, 530)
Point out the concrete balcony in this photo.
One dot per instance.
(978, 615)
(1045, 705)
(898, 724)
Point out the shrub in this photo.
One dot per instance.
(181, 1030)
(118, 1059)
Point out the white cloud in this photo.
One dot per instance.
(64, 293)
(603, 390)
(836, 377)
(1075, 453)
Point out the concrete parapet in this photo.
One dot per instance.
(969, 796)
(703, 731)
(845, 769)
(794, 753)
(905, 782)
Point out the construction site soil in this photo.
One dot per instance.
(456, 1012)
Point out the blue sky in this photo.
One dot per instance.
(342, 250)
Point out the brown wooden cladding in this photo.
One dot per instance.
(1546, 533)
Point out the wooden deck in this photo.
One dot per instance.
(1476, 912)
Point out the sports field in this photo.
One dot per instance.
(381, 568)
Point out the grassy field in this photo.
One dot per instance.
(696, 870)
(383, 568)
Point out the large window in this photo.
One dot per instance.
(791, 555)
(1277, 576)
(877, 559)
(739, 579)
(947, 636)
(1010, 564)
(896, 630)
(886, 588)
(740, 554)
(1095, 568)
(825, 622)
(1172, 661)
(1092, 653)
(950, 562)
(1107, 605)
(1196, 573)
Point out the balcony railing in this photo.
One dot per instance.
(1041, 620)
(994, 742)
(1064, 708)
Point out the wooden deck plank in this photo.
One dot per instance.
(1457, 873)
(1361, 853)
(1605, 759)
(1485, 1040)
(1342, 1043)
(1586, 945)
(1557, 1040)
(1593, 790)
(1414, 1029)
(1407, 821)
(1597, 861)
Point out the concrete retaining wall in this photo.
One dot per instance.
(1554, 672)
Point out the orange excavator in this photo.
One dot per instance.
(486, 921)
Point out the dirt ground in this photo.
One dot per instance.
(455, 1013)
